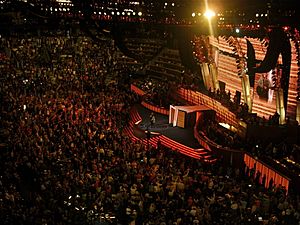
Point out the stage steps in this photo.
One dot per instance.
(134, 116)
(128, 130)
(153, 141)
(201, 154)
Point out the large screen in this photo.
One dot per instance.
(263, 92)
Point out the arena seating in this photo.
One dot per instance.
(167, 65)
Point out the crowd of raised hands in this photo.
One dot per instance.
(65, 160)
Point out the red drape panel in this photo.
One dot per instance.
(272, 175)
(246, 159)
(251, 163)
(268, 172)
(265, 172)
(285, 183)
(259, 168)
(277, 180)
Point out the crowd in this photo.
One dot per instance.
(257, 146)
(220, 135)
(58, 117)
(233, 104)
(65, 160)
(276, 152)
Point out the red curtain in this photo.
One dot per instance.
(285, 183)
(259, 168)
(267, 171)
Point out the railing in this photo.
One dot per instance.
(155, 108)
(238, 158)
(229, 156)
(265, 170)
(137, 90)
(148, 105)
(222, 112)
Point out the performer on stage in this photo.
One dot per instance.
(152, 118)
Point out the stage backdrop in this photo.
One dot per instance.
(262, 92)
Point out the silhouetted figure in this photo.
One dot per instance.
(152, 119)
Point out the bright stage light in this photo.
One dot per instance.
(63, 1)
(209, 14)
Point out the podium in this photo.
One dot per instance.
(186, 116)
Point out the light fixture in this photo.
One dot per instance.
(209, 14)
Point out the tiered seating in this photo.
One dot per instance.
(128, 61)
(144, 49)
(166, 65)
(171, 55)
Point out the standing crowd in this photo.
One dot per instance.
(65, 159)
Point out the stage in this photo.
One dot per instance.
(176, 138)
(182, 135)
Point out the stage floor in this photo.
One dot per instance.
(184, 136)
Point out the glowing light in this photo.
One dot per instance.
(193, 14)
(209, 14)
(225, 125)
(237, 30)
(63, 1)
(140, 13)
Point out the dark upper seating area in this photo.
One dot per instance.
(167, 65)
(144, 49)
